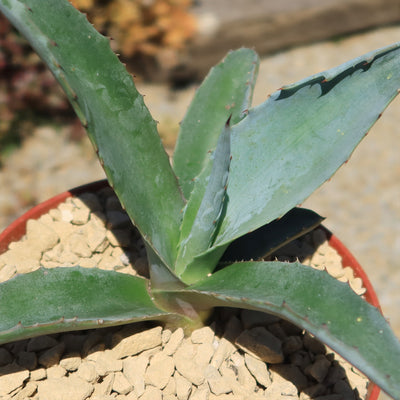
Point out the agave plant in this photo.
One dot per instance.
(238, 174)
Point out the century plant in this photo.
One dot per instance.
(236, 170)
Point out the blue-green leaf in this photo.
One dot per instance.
(204, 209)
(120, 126)
(269, 238)
(288, 146)
(65, 299)
(226, 91)
(313, 300)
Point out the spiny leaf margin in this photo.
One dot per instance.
(289, 145)
(313, 300)
(226, 91)
(120, 126)
(269, 238)
(72, 298)
(204, 210)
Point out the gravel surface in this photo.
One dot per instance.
(249, 354)
(361, 203)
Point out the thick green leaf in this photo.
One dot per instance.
(269, 238)
(64, 299)
(161, 275)
(313, 300)
(203, 264)
(227, 90)
(288, 146)
(105, 98)
(204, 208)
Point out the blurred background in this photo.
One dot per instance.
(169, 46)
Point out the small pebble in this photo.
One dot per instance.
(185, 363)
(258, 369)
(121, 385)
(214, 379)
(182, 386)
(203, 335)
(27, 360)
(87, 371)
(52, 356)
(319, 369)
(5, 357)
(174, 341)
(41, 343)
(133, 344)
(71, 361)
(134, 369)
(160, 370)
(261, 344)
(55, 372)
(7, 272)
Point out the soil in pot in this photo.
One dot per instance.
(241, 355)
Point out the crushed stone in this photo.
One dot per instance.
(145, 361)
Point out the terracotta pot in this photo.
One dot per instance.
(17, 229)
(349, 260)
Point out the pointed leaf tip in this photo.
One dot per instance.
(226, 91)
(314, 301)
(74, 293)
(119, 124)
(204, 210)
(296, 140)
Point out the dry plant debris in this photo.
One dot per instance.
(141, 26)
